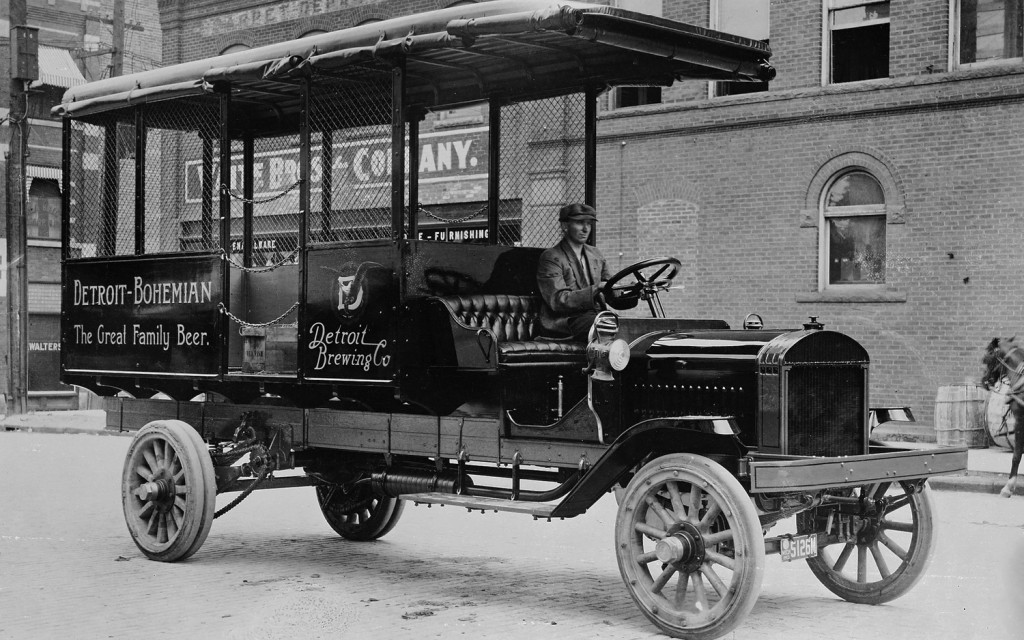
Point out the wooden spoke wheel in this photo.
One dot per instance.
(892, 536)
(168, 490)
(689, 546)
(359, 514)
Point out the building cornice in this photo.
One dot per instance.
(933, 93)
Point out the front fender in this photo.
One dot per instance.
(691, 434)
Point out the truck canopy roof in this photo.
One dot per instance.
(507, 49)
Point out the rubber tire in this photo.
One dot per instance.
(902, 579)
(198, 484)
(737, 511)
(360, 516)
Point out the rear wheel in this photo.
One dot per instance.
(168, 490)
(359, 514)
(890, 548)
(689, 546)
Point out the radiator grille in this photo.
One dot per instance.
(825, 410)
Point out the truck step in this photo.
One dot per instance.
(474, 503)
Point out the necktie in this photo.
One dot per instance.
(586, 266)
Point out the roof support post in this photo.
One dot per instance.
(65, 201)
(414, 182)
(248, 175)
(398, 151)
(590, 146)
(493, 169)
(224, 212)
(206, 206)
(140, 180)
(305, 151)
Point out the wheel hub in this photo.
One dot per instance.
(154, 491)
(683, 547)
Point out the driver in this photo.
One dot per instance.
(570, 276)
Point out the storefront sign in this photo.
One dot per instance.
(452, 167)
(217, 26)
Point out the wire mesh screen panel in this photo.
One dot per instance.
(350, 161)
(102, 194)
(269, 194)
(542, 168)
(182, 176)
(452, 164)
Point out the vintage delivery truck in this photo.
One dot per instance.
(320, 256)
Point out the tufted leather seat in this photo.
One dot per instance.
(513, 320)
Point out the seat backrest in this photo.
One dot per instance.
(510, 318)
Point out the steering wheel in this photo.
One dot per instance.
(649, 277)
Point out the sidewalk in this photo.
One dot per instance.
(986, 468)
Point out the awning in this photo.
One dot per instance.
(57, 68)
(36, 171)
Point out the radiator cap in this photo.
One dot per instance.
(813, 324)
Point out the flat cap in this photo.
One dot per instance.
(577, 211)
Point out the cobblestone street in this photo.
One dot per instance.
(272, 568)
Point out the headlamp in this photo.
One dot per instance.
(605, 352)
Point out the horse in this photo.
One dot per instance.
(1004, 358)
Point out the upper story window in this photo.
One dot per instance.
(853, 230)
(43, 216)
(234, 48)
(988, 30)
(857, 41)
(621, 97)
(747, 18)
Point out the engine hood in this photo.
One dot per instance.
(741, 349)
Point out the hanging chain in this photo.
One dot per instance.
(453, 220)
(243, 323)
(224, 188)
(270, 267)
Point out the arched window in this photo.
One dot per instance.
(853, 230)
(235, 48)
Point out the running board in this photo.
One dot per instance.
(474, 503)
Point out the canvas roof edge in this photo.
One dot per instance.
(130, 97)
(515, 14)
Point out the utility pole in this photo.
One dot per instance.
(24, 68)
(117, 55)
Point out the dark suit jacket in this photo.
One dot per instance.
(562, 289)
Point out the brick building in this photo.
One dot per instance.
(75, 38)
(874, 185)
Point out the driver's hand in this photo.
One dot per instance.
(599, 296)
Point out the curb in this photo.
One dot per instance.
(28, 428)
(973, 483)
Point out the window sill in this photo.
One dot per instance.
(831, 295)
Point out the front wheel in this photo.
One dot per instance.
(689, 546)
(890, 546)
(358, 514)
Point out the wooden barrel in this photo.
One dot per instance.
(960, 418)
(1001, 423)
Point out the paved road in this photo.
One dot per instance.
(273, 569)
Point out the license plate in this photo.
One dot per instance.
(799, 547)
